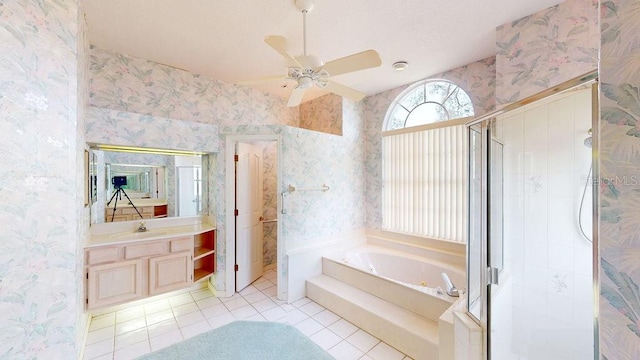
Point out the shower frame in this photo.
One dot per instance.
(487, 274)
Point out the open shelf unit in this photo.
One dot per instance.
(204, 255)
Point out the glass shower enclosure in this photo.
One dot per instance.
(531, 244)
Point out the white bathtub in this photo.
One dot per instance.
(396, 275)
(410, 270)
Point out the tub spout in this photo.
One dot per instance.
(451, 289)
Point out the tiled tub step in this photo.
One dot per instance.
(408, 332)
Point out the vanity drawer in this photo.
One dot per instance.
(102, 255)
(146, 249)
(181, 244)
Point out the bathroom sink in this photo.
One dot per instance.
(137, 235)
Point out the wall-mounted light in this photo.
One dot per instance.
(134, 149)
(400, 65)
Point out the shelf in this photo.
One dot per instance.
(204, 266)
(200, 274)
(204, 255)
(202, 251)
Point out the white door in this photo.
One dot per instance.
(249, 234)
(188, 190)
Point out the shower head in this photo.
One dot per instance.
(587, 142)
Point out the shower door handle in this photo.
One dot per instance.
(493, 276)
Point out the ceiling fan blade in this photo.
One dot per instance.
(296, 97)
(360, 61)
(279, 44)
(262, 80)
(344, 91)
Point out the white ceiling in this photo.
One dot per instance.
(223, 39)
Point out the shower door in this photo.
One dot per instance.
(535, 232)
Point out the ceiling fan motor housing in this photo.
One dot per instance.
(304, 5)
(310, 62)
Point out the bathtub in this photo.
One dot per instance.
(423, 326)
(416, 272)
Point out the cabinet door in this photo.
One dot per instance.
(116, 283)
(170, 272)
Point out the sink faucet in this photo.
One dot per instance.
(451, 289)
(142, 227)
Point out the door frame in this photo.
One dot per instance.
(229, 196)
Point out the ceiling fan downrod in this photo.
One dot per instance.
(305, 6)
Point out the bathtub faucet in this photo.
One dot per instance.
(451, 289)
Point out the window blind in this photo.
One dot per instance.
(424, 182)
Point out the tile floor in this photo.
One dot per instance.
(135, 331)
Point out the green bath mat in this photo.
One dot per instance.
(244, 340)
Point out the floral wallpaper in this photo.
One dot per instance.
(619, 180)
(545, 49)
(42, 95)
(125, 83)
(311, 159)
(477, 79)
(322, 114)
(270, 195)
(113, 127)
(83, 212)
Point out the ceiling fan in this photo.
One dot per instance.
(310, 71)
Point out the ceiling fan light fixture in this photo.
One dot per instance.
(304, 82)
(400, 65)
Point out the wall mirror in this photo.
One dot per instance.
(136, 184)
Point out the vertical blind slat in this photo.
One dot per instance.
(424, 190)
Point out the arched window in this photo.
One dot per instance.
(428, 102)
(424, 168)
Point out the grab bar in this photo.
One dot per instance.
(324, 187)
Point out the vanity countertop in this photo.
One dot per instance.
(152, 233)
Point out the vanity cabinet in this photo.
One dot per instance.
(114, 283)
(170, 272)
(137, 269)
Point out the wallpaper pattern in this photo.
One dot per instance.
(129, 84)
(545, 49)
(322, 114)
(620, 180)
(270, 195)
(477, 79)
(84, 213)
(41, 213)
(311, 159)
(115, 127)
